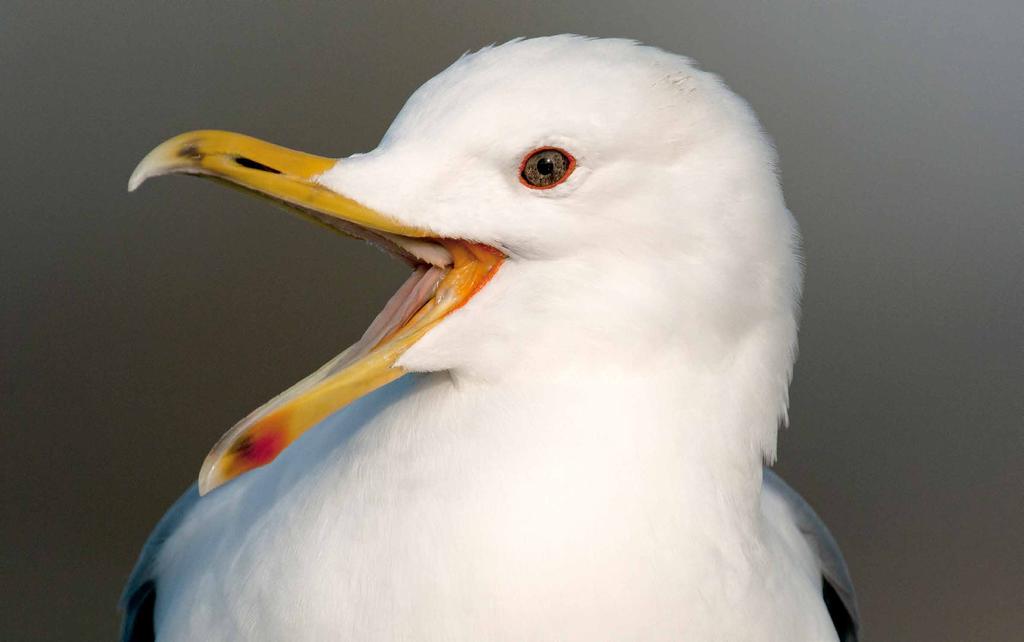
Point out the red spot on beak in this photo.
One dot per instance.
(260, 449)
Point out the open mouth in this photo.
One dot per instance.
(446, 274)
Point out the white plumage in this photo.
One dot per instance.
(577, 453)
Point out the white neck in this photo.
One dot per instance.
(665, 444)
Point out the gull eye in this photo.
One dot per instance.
(546, 167)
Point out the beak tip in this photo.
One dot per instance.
(204, 485)
(148, 167)
(160, 160)
(136, 179)
(209, 478)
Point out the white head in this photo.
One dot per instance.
(670, 236)
(668, 242)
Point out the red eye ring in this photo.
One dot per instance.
(546, 167)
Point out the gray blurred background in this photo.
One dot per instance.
(135, 329)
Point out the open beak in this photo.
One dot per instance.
(446, 274)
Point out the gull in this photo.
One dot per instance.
(558, 427)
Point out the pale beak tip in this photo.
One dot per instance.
(209, 477)
(137, 178)
(152, 165)
(159, 161)
(203, 487)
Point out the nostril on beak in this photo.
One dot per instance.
(251, 164)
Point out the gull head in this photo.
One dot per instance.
(567, 206)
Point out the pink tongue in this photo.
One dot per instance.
(416, 291)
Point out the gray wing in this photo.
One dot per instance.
(139, 597)
(836, 585)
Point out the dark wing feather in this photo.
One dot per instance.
(836, 585)
(138, 601)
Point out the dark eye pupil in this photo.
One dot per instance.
(546, 168)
